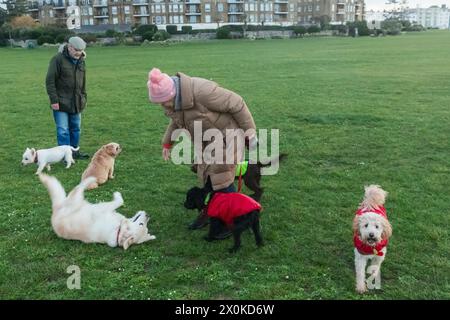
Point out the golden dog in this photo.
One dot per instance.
(102, 164)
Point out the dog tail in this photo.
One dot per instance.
(374, 197)
(273, 160)
(75, 149)
(55, 189)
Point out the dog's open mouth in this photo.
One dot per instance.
(371, 241)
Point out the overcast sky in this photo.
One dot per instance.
(380, 4)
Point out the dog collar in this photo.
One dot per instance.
(117, 237)
(36, 158)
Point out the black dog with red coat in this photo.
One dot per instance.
(237, 211)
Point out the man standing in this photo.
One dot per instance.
(66, 89)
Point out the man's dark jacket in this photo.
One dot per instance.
(66, 82)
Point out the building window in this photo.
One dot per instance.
(207, 7)
(207, 19)
(115, 20)
(127, 9)
(114, 10)
(220, 7)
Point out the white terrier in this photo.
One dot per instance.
(45, 157)
(372, 231)
(74, 218)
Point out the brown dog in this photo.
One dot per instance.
(102, 164)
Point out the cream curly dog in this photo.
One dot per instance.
(372, 231)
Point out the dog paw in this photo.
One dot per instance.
(361, 288)
(118, 197)
(111, 177)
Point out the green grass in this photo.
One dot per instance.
(350, 112)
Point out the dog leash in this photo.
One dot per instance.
(240, 180)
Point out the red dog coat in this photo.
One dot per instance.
(363, 248)
(227, 206)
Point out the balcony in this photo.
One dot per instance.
(103, 3)
(340, 12)
(281, 1)
(193, 2)
(58, 5)
(235, 1)
(140, 2)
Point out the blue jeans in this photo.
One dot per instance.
(67, 128)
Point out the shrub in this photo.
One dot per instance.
(61, 38)
(111, 33)
(172, 29)
(223, 33)
(313, 29)
(148, 35)
(299, 31)
(186, 29)
(145, 28)
(34, 33)
(89, 37)
(45, 39)
(391, 26)
(161, 35)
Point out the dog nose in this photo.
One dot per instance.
(371, 235)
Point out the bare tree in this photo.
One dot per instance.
(397, 9)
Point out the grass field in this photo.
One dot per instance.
(350, 112)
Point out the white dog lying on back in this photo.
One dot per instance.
(45, 157)
(74, 218)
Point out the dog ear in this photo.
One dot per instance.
(356, 225)
(387, 229)
(128, 242)
(33, 151)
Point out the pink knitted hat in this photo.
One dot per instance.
(161, 87)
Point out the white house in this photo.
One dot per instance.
(432, 17)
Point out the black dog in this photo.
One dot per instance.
(252, 177)
(196, 198)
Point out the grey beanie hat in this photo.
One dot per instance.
(77, 43)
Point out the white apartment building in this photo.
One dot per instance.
(432, 17)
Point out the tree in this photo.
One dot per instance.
(391, 26)
(15, 8)
(3, 16)
(23, 22)
(397, 9)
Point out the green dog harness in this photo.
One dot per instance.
(241, 166)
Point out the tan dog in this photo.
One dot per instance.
(74, 218)
(102, 164)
